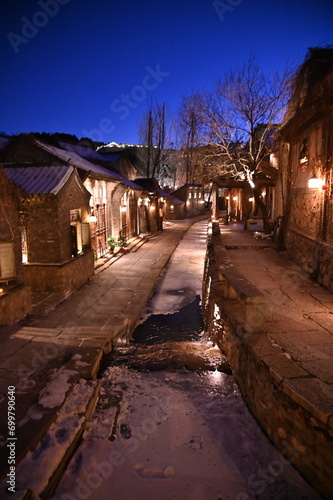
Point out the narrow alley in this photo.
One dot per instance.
(170, 421)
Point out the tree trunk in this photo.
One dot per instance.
(263, 209)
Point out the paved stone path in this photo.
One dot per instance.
(299, 315)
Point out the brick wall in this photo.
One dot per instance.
(42, 224)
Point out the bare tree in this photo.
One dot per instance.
(190, 125)
(154, 134)
(241, 116)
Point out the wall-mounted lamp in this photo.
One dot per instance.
(235, 198)
(251, 199)
(93, 218)
(123, 209)
(316, 183)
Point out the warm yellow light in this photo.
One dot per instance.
(235, 198)
(315, 183)
(251, 199)
(123, 209)
(93, 218)
(152, 207)
(227, 197)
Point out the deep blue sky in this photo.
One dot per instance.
(73, 71)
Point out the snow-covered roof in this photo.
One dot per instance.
(170, 197)
(40, 180)
(81, 150)
(77, 161)
(91, 153)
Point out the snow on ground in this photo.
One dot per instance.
(182, 282)
(36, 468)
(176, 435)
(55, 392)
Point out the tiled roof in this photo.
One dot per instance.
(40, 180)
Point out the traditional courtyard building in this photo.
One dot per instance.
(54, 226)
(192, 196)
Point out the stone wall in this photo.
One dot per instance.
(61, 278)
(268, 381)
(315, 257)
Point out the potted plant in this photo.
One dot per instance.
(122, 244)
(112, 243)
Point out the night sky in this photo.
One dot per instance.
(90, 67)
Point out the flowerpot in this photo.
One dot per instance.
(123, 250)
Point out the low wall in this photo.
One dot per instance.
(15, 304)
(61, 278)
(266, 376)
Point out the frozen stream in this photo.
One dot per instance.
(170, 422)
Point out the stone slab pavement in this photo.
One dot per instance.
(45, 356)
(299, 319)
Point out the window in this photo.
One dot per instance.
(304, 153)
(7, 261)
(24, 244)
